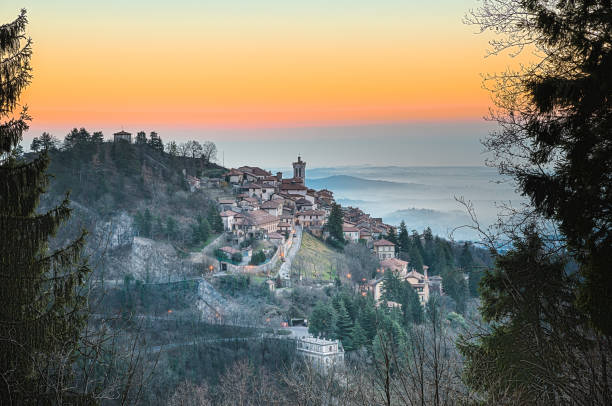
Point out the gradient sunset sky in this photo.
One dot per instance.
(328, 78)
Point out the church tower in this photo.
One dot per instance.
(299, 170)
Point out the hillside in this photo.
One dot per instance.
(142, 218)
(346, 182)
(315, 260)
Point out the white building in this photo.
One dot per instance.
(228, 217)
(351, 233)
(321, 353)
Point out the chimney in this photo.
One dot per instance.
(279, 176)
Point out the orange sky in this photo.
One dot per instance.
(186, 65)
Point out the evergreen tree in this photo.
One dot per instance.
(46, 142)
(344, 327)
(474, 281)
(403, 239)
(555, 136)
(416, 243)
(416, 261)
(411, 305)
(172, 149)
(214, 219)
(367, 320)
(171, 227)
(97, 137)
(155, 142)
(465, 258)
(40, 320)
(391, 285)
(429, 248)
(359, 338)
(201, 230)
(529, 344)
(77, 139)
(141, 138)
(322, 321)
(391, 236)
(334, 223)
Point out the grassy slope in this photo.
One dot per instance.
(315, 260)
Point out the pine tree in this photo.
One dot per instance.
(391, 236)
(416, 243)
(40, 320)
(555, 135)
(155, 142)
(141, 138)
(214, 219)
(322, 321)
(172, 149)
(391, 285)
(359, 338)
(97, 137)
(367, 320)
(416, 261)
(334, 223)
(403, 239)
(344, 327)
(46, 142)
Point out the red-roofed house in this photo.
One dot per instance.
(351, 233)
(384, 249)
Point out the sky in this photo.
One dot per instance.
(339, 81)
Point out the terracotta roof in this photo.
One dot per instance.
(282, 224)
(250, 186)
(259, 217)
(254, 170)
(349, 229)
(234, 172)
(275, 236)
(383, 242)
(394, 264)
(293, 186)
(227, 213)
(271, 204)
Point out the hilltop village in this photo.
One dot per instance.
(269, 207)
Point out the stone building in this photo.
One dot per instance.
(299, 170)
(122, 136)
(321, 353)
(384, 249)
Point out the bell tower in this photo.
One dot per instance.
(299, 170)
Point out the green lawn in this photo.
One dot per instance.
(315, 260)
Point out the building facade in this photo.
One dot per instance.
(321, 353)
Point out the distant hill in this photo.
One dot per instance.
(346, 182)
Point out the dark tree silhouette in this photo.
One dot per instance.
(40, 321)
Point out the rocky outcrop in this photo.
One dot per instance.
(148, 261)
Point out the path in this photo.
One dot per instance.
(285, 269)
